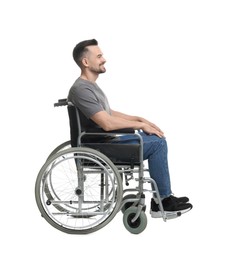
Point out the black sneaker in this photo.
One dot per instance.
(170, 206)
(180, 199)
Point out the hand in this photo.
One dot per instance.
(156, 127)
(152, 129)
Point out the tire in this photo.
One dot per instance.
(84, 190)
(137, 226)
(61, 147)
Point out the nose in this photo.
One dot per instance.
(104, 60)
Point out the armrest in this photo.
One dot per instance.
(98, 135)
(100, 130)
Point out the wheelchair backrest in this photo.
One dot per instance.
(75, 127)
(78, 124)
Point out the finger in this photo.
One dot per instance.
(159, 130)
(160, 134)
(156, 127)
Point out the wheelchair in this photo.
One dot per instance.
(84, 182)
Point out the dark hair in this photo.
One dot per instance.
(81, 48)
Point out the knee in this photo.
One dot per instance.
(163, 141)
(153, 144)
(159, 140)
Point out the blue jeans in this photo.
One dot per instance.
(155, 151)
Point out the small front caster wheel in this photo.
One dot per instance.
(137, 226)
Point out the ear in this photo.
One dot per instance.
(85, 62)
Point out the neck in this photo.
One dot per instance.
(89, 76)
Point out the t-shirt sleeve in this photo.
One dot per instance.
(84, 99)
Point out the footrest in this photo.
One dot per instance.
(172, 215)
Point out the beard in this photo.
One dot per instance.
(99, 70)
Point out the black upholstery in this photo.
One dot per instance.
(99, 139)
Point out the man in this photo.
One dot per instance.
(86, 95)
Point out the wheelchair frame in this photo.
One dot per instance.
(79, 189)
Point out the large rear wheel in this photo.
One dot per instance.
(78, 190)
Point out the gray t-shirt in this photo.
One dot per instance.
(88, 98)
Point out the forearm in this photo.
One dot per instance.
(126, 117)
(119, 120)
(136, 119)
(120, 123)
(116, 121)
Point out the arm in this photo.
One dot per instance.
(134, 118)
(119, 120)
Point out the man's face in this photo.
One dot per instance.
(95, 60)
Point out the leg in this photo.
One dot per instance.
(155, 151)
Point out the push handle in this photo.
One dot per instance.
(61, 102)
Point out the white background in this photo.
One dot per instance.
(166, 61)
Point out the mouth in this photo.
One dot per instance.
(102, 65)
